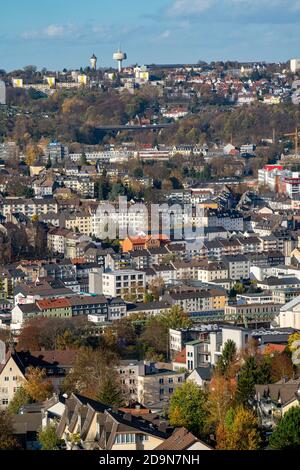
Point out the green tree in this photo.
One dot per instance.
(247, 381)
(228, 357)
(91, 372)
(83, 160)
(110, 392)
(48, 439)
(287, 434)
(188, 408)
(102, 188)
(176, 317)
(205, 175)
(7, 440)
(239, 432)
(148, 297)
(116, 191)
(138, 172)
(20, 398)
(238, 288)
(49, 163)
(28, 193)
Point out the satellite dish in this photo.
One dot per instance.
(2, 352)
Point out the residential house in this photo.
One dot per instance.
(14, 365)
(101, 428)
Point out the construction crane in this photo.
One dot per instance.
(296, 136)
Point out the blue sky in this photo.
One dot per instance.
(64, 33)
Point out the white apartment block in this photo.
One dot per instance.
(28, 207)
(212, 272)
(131, 221)
(158, 387)
(124, 282)
(238, 267)
(295, 65)
(83, 186)
(289, 316)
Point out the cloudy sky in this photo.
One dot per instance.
(65, 33)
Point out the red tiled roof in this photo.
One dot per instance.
(181, 439)
(273, 348)
(181, 357)
(53, 303)
(67, 357)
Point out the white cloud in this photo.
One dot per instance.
(189, 7)
(54, 31)
(166, 34)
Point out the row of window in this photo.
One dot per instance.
(132, 277)
(131, 382)
(130, 438)
(162, 391)
(170, 380)
(4, 390)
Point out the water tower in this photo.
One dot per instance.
(93, 61)
(119, 56)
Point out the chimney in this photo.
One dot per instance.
(128, 417)
(162, 426)
(2, 353)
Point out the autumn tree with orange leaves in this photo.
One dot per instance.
(221, 397)
(37, 386)
(239, 431)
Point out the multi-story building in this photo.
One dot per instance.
(238, 267)
(212, 271)
(230, 220)
(79, 222)
(101, 428)
(28, 207)
(262, 312)
(129, 372)
(83, 186)
(65, 242)
(195, 302)
(289, 316)
(56, 152)
(124, 283)
(13, 368)
(158, 385)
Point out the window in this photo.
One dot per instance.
(5, 401)
(161, 392)
(171, 381)
(171, 390)
(15, 378)
(161, 381)
(144, 437)
(125, 439)
(6, 379)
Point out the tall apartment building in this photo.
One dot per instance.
(125, 282)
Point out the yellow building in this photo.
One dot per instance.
(81, 223)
